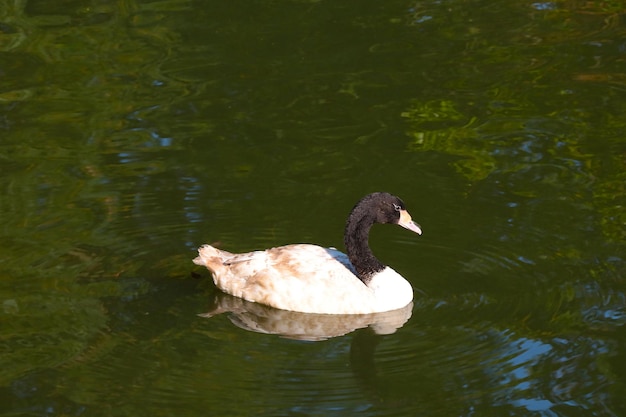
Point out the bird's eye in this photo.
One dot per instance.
(397, 207)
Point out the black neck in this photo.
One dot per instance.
(356, 241)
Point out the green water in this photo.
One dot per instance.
(132, 132)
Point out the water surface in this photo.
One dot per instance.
(135, 131)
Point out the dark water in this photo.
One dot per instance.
(132, 132)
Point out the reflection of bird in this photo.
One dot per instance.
(311, 279)
(304, 326)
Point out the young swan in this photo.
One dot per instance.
(311, 279)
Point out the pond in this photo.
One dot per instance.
(132, 132)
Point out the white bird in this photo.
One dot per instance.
(312, 279)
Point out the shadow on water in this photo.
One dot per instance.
(304, 326)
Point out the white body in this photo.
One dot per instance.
(305, 278)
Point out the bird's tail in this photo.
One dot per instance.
(211, 257)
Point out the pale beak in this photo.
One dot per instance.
(406, 222)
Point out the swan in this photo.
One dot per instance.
(311, 279)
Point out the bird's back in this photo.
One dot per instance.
(300, 277)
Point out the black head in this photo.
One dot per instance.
(385, 208)
(373, 208)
